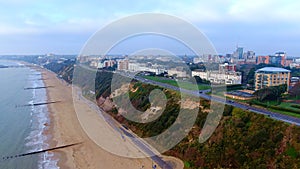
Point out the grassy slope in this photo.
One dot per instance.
(285, 105)
(185, 85)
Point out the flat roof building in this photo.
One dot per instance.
(220, 78)
(271, 76)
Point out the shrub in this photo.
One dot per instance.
(296, 106)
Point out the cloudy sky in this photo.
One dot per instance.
(63, 26)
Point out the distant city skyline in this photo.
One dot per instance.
(40, 27)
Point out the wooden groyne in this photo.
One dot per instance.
(38, 104)
(38, 152)
(41, 87)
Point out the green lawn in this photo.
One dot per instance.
(184, 84)
(283, 105)
(285, 112)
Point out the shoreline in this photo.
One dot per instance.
(52, 130)
(48, 126)
(64, 128)
(49, 131)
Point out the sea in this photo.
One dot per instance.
(22, 128)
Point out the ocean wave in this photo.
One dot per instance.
(48, 161)
(37, 140)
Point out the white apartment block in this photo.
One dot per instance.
(220, 78)
(139, 67)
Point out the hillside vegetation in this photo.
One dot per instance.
(242, 140)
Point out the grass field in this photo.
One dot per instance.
(283, 105)
(285, 112)
(184, 85)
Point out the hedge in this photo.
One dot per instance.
(296, 106)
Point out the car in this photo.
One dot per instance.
(124, 126)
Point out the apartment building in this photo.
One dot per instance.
(271, 76)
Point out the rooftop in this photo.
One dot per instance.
(240, 93)
(272, 69)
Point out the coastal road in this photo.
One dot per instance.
(202, 94)
(124, 131)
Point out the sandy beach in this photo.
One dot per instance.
(66, 129)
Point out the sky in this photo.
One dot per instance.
(64, 26)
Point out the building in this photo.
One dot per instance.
(197, 59)
(250, 61)
(123, 64)
(295, 65)
(225, 75)
(263, 59)
(294, 81)
(83, 59)
(240, 94)
(239, 53)
(109, 63)
(143, 67)
(227, 67)
(220, 78)
(278, 59)
(94, 64)
(250, 55)
(289, 61)
(271, 76)
(179, 72)
(282, 56)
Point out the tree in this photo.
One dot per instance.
(270, 93)
(295, 91)
(198, 79)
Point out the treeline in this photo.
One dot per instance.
(270, 93)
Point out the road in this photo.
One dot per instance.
(124, 131)
(202, 94)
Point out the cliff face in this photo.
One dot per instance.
(64, 69)
(67, 73)
(105, 103)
